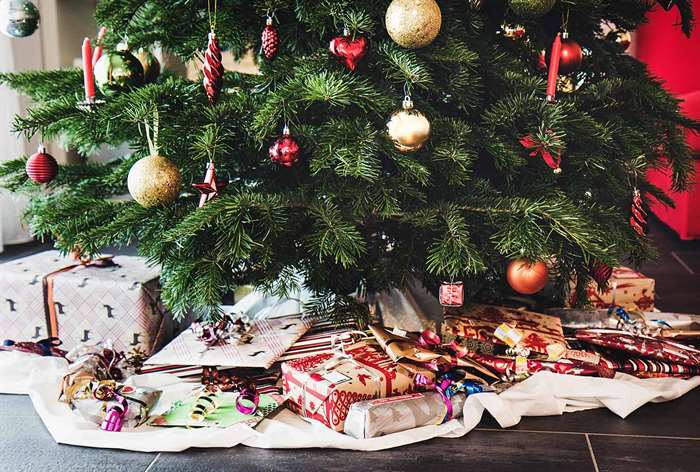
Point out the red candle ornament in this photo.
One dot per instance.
(554, 58)
(88, 75)
(97, 54)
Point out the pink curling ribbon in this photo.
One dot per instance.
(116, 411)
(247, 401)
(538, 148)
(441, 387)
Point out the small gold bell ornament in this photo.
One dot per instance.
(408, 128)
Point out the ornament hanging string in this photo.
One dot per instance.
(212, 17)
(152, 133)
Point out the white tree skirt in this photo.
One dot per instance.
(542, 394)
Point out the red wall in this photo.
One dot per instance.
(669, 54)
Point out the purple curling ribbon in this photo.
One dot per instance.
(448, 388)
(116, 412)
(247, 401)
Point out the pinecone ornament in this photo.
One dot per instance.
(270, 40)
(213, 69)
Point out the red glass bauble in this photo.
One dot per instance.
(349, 51)
(527, 277)
(570, 58)
(41, 167)
(285, 151)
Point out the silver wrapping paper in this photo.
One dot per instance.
(372, 418)
(141, 401)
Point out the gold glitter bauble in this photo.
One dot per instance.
(413, 23)
(151, 66)
(408, 128)
(154, 181)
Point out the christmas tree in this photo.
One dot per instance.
(438, 141)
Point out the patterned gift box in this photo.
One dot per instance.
(115, 299)
(627, 287)
(323, 386)
(480, 322)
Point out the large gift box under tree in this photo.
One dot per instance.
(323, 386)
(115, 299)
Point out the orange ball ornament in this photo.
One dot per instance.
(527, 277)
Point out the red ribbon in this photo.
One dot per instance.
(538, 148)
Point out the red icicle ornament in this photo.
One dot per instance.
(285, 150)
(270, 40)
(41, 167)
(601, 273)
(213, 69)
(638, 216)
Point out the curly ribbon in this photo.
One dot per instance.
(116, 412)
(248, 396)
(447, 387)
(538, 148)
(223, 331)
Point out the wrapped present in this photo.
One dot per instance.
(323, 386)
(266, 341)
(513, 368)
(627, 288)
(638, 345)
(646, 368)
(131, 404)
(372, 418)
(425, 351)
(48, 295)
(501, 325)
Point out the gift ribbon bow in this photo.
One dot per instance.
(448, 388)
(538, 148)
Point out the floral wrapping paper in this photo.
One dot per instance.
(481, 321)
(323, 386)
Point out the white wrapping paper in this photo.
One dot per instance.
(542, 394)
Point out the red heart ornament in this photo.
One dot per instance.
(349, 51)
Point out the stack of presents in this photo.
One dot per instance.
(105, 317)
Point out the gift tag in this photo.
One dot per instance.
(508, 334)
(555, 352)
(335, 377)
(583, 356)
(521, 366)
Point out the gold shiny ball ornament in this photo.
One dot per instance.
(154, 181)
(118, 71)
(413, 23)
(408, 128)
(150, 64)
(531, 9)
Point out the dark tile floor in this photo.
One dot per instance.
(658, 437)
